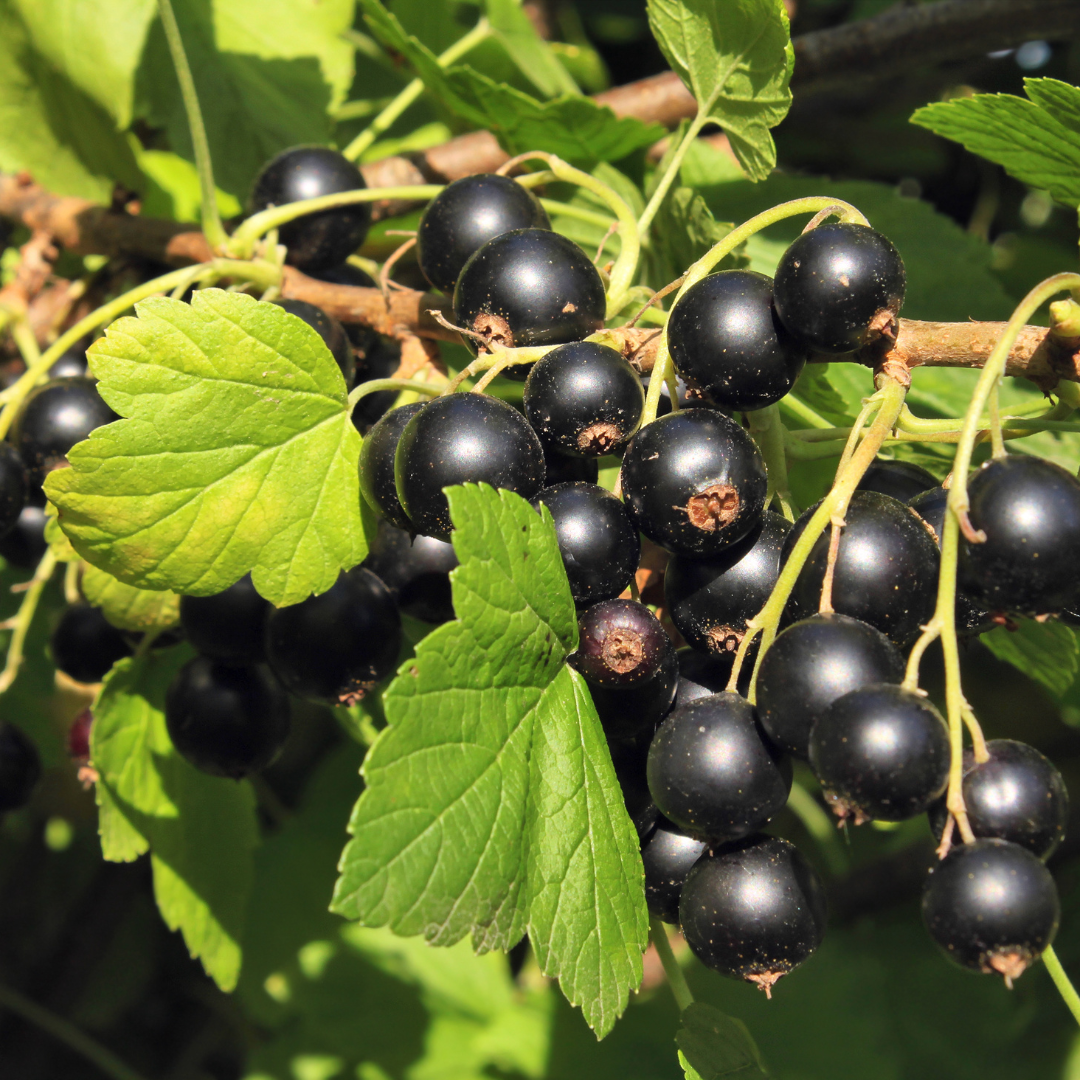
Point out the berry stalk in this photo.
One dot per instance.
(675, 977)
(21, 623)
(1061, 980)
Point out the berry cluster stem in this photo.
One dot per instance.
(767, 431)
(1062, 981)
(25, 616)
(675, 977)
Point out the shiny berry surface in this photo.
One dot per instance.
(72, 362)
(902, 480)
(668, 855)
(620, 644)
(728, 343)
(694, 482)
(20, 767)
(629, 757)
(838, 287)
(330, 330)
(85, 645)
(24, 545)
(462, 439)
(702, 674)
(416, 570)
(377, 484)
(464, 216)
(14, 487)
(229, 625)
(326, 238)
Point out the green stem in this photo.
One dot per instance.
(767, 431)
(374, 386)
(1064, 986)
(675, 977)
(24, 618)
(670, 173)
(211, 220)
(385, 120)
(25, 341)
(818, 824)
(581, 213)
(801, 411)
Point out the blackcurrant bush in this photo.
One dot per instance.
(55, 416)
(460, 439)
(529, 287)
(629, 757)
(902, 480)
(14, 487)
(563, 469)
(702, 674)
(25, 544)
(583, 398)
(229, 625)
(838, 287)
(464, 216)
(881, 753)
(1017, 796)
(72, 362)
(813, 663)
(85, 645)
(328, 237)
(712, 772)
(754, 910)
(728, 344)
(599, 547)
(227, 720)
(330, 330)
(992, 906)
(710, 600)
(668, 855)
(886, 568)
(1029, 511)
(416, 570)
(335, 647)
(694, 482)
(377, 464)
(20, 767)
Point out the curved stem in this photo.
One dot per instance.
(375, 386)
(1064, 985)
(24, 618)
(581, 213)
(671, 172)
(675, 977)
(801, 411)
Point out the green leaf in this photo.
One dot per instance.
(514, 29)
(1036, 141)
(55, 538)
(238, 453)
(200, 830)
(712, 1045)
(815, 387)
(173, 188)
(736, 58)
(491, 805)
(1047, 652)
(128, 608)
(685, 230)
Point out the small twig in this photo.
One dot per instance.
(656, 297)
(388, 265)
(613, 228)
(24, 618)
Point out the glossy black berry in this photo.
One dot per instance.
(335, 647)
(600, 548)
(463, 439)
(694, 482)
(754, 910)
(583, 398)
(227, 720)
(1017, 796)
(881, 753)
(464, 216)
(902, 480)
(529, 287)
(839, 287)
(702, 674)
(1029, 511)
(328, 237)
(728, 344)
(416, 570)
(330, 330)
(85, 645)
(20, 767)
(25, 544)
(629, 757)
(992, 906)
(813, 663)
(712, 772)
(668, 855)
(72, 362)
(54, 417)
(14, 487)
(886, 569)
(563, 469)
(711, 599)
(376, 466)
(229, 625)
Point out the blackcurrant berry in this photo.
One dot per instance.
(992, 906)
(330, 330)
(668, 855)
(377, 464)
(712, 772)
(886, 568)
(599, 547)
(461, 439)
(464, 216)
(1017, 796)
(1029, 511)
(381, 360)
(902, 480)
(838, 287)
(227, 720)
(229, 625)
(813, 663)
(728, 344)
(20, 767)
(25, 544)
(563, 469)
(416, 570)
(694, 482)
(710, 600)
(85, 645)
(881, 753)
(633, 711)
(629, 757)
(328, 237)
(72, 362)
(14, 487)
(583, 398)
(753, 911)
(335, 647)
(529, 287)
(55, 416)
(702, 674)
